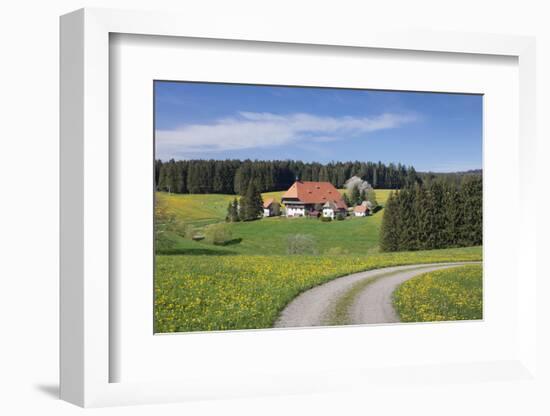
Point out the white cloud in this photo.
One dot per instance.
(260, 130)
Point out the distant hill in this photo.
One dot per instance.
(455, 177)
(462, 172)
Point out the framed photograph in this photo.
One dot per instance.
(276, 212)
(270, 214)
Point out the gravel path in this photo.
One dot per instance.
(372, 304)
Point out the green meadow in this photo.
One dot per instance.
(268, 236)
(219, 292)
(200, 286)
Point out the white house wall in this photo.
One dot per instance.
(295, 212)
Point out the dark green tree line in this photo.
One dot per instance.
(235, 176)
(437, 214)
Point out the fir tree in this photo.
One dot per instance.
(355, 197)
(421, 208)
(453, 216)
(158, 167)
(175, 178)
(437, 215)
(389, 230)
(323, 174)
(163, 177)
(251, 206)
(428, 235)
(472, 194)
(233, 211)
(407, 239)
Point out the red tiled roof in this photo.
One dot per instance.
(361, 208)
(268, 202)
(315, 193)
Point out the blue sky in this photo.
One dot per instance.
(430, 131)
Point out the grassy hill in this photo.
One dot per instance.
(200, 286)
(268, 236)
(202, 209)
(197, 209)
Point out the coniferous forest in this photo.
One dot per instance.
(426, 211)
(234, 176)
(434, 214)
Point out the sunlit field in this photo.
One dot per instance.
(444, 295)
(244, 284)
(201, 293)
(268, 236)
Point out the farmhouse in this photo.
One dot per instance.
(271, 207)
(303, 198)
(361, 210)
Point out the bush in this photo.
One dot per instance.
(218, 234)
(301, 244)
(336, 251)
(167, 226)
(340, 216)
(326, 219)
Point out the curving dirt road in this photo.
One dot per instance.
(360, 298)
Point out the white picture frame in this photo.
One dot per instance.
(86, 263)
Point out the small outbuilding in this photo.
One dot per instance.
(271, 207)
(361, 210)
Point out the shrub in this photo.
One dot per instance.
(340, 216)
(301, 244)
(326, 219)
(336, 251)
(218, 234)
(167, 226)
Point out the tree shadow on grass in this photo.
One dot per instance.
(199, 251)
(231, 242)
